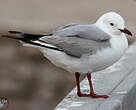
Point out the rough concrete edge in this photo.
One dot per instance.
(121, 95)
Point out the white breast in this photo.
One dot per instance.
(96, 62)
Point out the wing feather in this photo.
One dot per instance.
(75, 46)
(91, 32)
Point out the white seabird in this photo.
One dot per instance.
(82, 49)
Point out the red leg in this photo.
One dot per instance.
(92, 94)
(78, 87)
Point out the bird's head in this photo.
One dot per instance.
(112, 23)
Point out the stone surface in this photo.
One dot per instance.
(118, 81)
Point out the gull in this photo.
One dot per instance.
(82, 48)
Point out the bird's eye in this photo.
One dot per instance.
(111, 24)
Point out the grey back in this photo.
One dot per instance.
(91, 32)
(77, 40)
(75, 46)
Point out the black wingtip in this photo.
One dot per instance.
(11, 37)
(14, 32)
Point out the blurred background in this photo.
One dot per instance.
(28, 79)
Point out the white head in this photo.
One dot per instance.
(112, 23)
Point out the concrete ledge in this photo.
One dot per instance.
(118, 81)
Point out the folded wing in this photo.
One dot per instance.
(91, 32)
(75, 46)
(74, 39)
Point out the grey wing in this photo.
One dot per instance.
(75, 46)
(91, 32)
